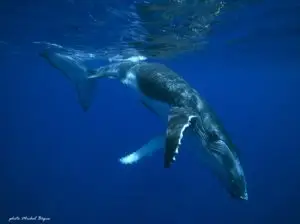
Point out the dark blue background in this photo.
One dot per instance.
(60, 162)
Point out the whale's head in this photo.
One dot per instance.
(229, 168)
(222, 157)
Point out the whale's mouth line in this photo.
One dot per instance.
(221, 159)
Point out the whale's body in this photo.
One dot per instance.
(180, 106)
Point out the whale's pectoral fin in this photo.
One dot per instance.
(76, 72)
(179, 120)
(146, 150)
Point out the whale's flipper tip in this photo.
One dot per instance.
(148, 149)
(76, 72)
(129, 159)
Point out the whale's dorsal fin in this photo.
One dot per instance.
(179, 119)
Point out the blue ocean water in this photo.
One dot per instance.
(61, 163)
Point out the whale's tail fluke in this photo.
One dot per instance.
(76, 72)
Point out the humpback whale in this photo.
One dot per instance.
(180, 106)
